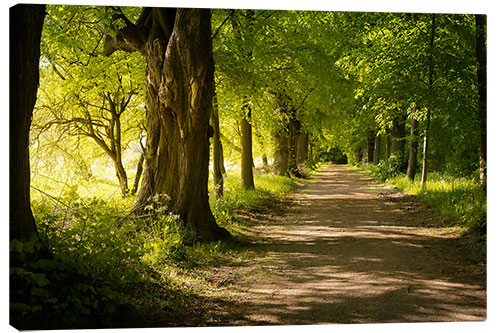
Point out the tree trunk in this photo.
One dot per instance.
(121, 174)
(425, 154)
(218, 158)
(26, 22)
(246, 151)
(177, 47)
(359, 154)
(398, 135)
(376, 150)
(387, 144)
(481, 80)
(280, 166)
(370, 140)
(138, 174)
(413, 148)
(293, 135)
(302, 144)
(425, 158)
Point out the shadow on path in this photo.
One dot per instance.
(348, 255)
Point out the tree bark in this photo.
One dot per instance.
(280, 166)
(481, 80)
(26, 22)
(359, 154)
(218, 157)
(293, 136)
(302, 144)
(376, 150)
(246, 151)
(413, 148)
(387, 144)
(138, 174)
(177, 47)
(398, 134)
(370, 141)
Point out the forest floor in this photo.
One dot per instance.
(343, 249)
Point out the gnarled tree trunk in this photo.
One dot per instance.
(177, 47)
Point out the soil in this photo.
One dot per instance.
(344, 249)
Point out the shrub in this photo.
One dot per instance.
(394, 165)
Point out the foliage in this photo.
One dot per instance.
(394, 166)
(338, 74)
(100, 255)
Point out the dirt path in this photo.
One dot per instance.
(347, 253)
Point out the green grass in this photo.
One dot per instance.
(459, 198)
(107, 259)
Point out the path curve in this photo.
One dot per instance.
(347, 254)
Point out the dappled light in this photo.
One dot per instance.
(200, 167)
(331, 264)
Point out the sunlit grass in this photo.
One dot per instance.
(88, 223)
(460, 198)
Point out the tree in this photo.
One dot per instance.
(26, 22)
(430, 83)
(481, 93)
(177, 47)
(413, 148)
(246, 150)
(218, 157)
(84, 94)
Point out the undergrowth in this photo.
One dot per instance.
(110, 269)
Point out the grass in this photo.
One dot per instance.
(109, 262)
(459, 198)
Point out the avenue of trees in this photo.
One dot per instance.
(161, 104)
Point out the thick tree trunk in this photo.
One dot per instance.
(26, 22)
(218, 158)
(398, 135)
(280, 166)
(413, 148)
(246, 151)
(481, 80)
(179, 90)
(376, 150)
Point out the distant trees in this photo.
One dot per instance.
(411, 69)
